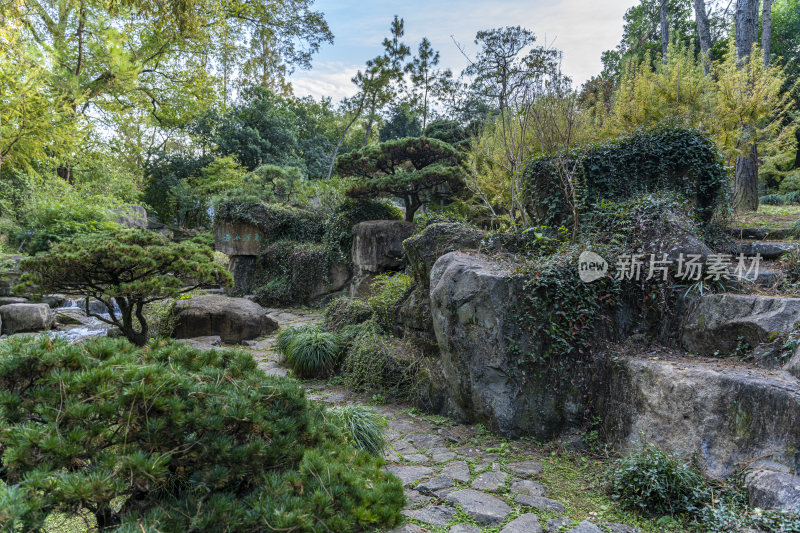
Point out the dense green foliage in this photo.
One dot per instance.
(363, 425)
(655, 483)
(388, 291)
(660, 160)
(134, 267)
(276, 221)
(412, 169)
(312, 353)
(343, 312)
(170, 438)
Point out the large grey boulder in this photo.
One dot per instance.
(792, 366)
(723, 322)
(473, 306)
(23, 317)
(233, 319)
(723, 415)
(377, 248)
(768, 489)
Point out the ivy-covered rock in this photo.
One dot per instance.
(664, 159)
(274, 221)
(169, 438)
(433, 242)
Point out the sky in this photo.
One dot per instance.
(582, 29)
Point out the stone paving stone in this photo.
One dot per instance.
(458, 470)
(585, 527)
(435, 484)
(489, 481)
(415, 498)
(403, 425)
(464, 528)
(553, 525)
(527, 523)
(403, 447)
(436, 515)
(391, 456)
(410, 528)
(416, 458)
(409, 474)
(525, 468)
(426, 441)
(484, 508)
(469, 451)
(539, 502)
(531, 488)
(441, 455)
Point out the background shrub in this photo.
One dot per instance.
(342, 312)
(379, 364)
(655, 483)
(313, 352)
(389, 291)
(363, 425)
(663, 159)
(185, 440)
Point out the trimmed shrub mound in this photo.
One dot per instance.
(363, 425)
(276, 221)
(343, 312)
(313, 353)
(168, 438)
(663, 159)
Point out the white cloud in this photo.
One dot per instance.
(330, 79)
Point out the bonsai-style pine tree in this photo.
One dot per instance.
(412, 168)
(134, 267)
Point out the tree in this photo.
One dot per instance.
(663, 12)
(766, 29)
(375, 87)
(411, 169)
(511, 79)
(402, 122)
(745, 187)
(427, 81)
(703, 33)
(134, 267)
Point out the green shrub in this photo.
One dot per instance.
(389, 291)
(313, 353)
(288, 272)
(654, 483)
(286, 335)
(277, 222)
(663, 159)
(378, 364)
(363, 426)
(342, 312)
(790, 263)
(168, 438)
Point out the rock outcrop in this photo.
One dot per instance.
(25, 317)
(232, 319)
(768, 489)
(723, 323)
(377, 248)
(472, 302)
(722, 414)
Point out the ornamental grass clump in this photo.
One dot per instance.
(363, 426)
(169, 438)
(313, 353)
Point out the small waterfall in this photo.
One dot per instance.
(90, 326)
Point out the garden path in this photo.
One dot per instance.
(458, 478)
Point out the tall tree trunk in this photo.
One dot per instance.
(357, 114)
(703, 32)
(664, 30)
(797, 154)
(745, 189)
(766, 29)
